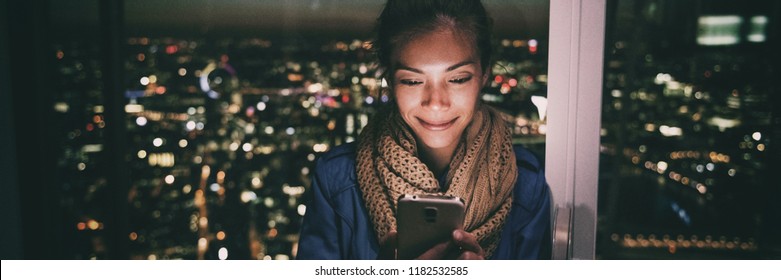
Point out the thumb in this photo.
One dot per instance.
(388, 245)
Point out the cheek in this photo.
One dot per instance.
(469, 97)
(405, 100)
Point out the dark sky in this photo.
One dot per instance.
(340, 18)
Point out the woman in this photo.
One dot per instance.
(435, 138)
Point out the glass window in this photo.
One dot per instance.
(689, 116)
(226, 106)
(78, 130)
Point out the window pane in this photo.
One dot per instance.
(229, 103)
(79, 128)
(239, 121)
(689, 118)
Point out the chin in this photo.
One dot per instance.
(439, 143)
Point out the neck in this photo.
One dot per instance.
(438, 159)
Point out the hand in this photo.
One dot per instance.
(388, 246)
(462, 246)
(441, 251)
(470, 248)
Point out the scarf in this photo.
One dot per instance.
(482, 172)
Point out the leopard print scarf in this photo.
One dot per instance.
(482, 172)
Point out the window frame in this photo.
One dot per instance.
(575, 77)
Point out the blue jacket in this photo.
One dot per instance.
(337, 225)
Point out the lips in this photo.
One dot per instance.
(437, 125)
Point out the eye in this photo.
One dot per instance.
(461, 80)
(408, 82)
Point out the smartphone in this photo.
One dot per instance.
(426, 220)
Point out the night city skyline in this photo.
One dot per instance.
(223, 112)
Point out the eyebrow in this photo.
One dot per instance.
(451, 68)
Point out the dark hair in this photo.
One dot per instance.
(402, 20)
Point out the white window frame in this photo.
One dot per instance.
(576, 51)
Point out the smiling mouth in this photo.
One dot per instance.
(437, 126)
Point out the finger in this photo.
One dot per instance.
(469, 255)
(388, 246)
(467, 242)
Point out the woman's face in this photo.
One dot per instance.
(436, 81)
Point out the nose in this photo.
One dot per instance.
(436, 97)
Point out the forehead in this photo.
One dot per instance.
(436, 47)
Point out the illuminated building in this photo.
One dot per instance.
(686, 133)
(223, 137)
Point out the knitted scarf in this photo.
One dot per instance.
(482, 172)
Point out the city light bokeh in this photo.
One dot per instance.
(688, 123)
(223, 135)
(223, 124)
